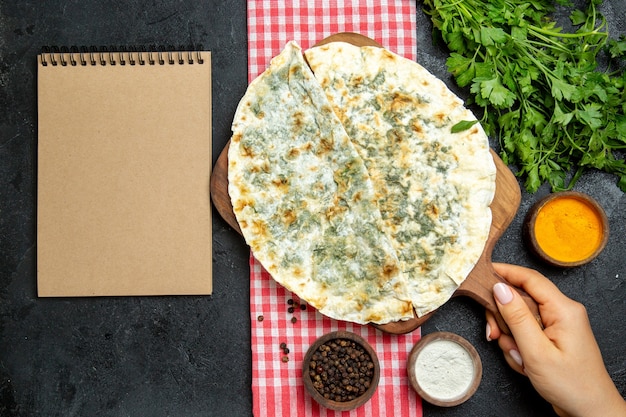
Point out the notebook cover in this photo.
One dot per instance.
(124, 161)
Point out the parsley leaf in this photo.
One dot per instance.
(463, 125)
(491, 89)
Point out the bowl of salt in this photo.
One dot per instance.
(444, 369)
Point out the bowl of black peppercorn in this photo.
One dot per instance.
(341, 371)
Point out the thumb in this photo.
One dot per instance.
(522, 323)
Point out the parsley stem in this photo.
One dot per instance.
(575, 35)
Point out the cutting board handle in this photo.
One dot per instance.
(482, 292)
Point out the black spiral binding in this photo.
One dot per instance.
(131, 55)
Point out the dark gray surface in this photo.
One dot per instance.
(190, 356)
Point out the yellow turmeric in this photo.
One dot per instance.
(568, 229)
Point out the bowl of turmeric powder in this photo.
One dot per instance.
(566, 229)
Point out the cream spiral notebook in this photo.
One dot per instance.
(124, 164)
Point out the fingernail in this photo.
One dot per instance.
(488, 332)
(503, 293)
(516, 357)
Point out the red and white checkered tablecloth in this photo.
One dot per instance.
(273, 23)
(277, 386)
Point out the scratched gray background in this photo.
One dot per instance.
(190, 356)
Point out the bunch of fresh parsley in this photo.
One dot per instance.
(541, 89)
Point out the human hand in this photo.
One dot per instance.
(562, 360)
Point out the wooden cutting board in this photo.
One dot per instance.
(479, 283)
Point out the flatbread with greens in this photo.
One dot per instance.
(305, 202)
(350, 186)
(433, 187)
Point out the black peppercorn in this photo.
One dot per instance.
(341, 370)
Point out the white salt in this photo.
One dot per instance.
(444, 370)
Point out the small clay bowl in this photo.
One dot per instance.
(340, 405)
(429, 370)
(563, 227)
